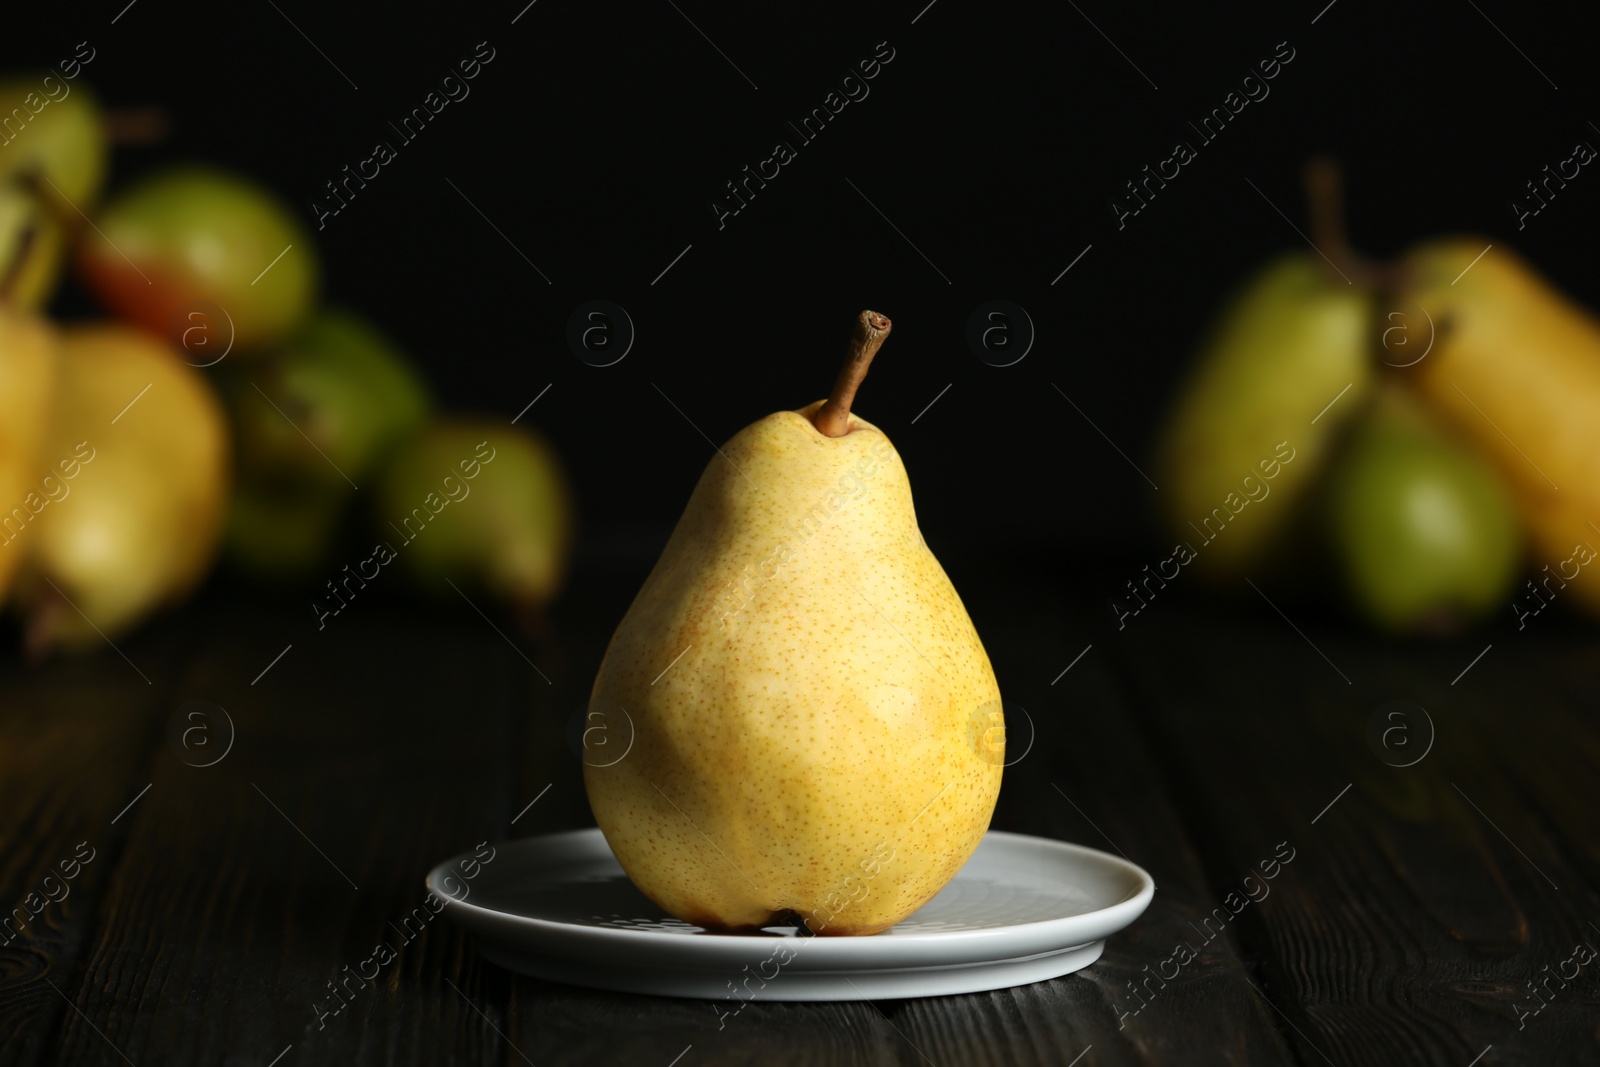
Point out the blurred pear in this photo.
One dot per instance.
(1515, 366)
(27, 383)
(480, 504)
(54, 134)
(1425, 532)
(1249, 433)
(32, 246)
(142, 515)
(198, 234)
(330, 405)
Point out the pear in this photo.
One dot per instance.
(1515, 365)
(53, 152)
(816, 727)
(1253, 426)
(32, 245)
(1425, 531)
(27, 382)
(142, 447)
(330, 405)
(481, 504)
(197, 236)
(54, 134)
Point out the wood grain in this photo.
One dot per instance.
(1420, 901)
(75, 744)
(369, 753)
(1419, 904)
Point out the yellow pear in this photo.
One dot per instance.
(27, 377)
(138, 519)
(1515, 365)
(32, 246)
(810, 723)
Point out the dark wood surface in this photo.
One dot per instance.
(1419, 904)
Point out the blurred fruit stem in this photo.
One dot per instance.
(39, 625)
(49, 198)
(1324, 184)
(11, 272)
(135, 125)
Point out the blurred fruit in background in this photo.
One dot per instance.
(32, 245)
(1516, 367)
(328, 405)
(1423, 529)
(313, 421)
(137, 522)
(27, 383)
(482, 504)
(1433, 471)
(1293, 339)
(62, 146)
(116, 455)
(57, 141)
(199, 234)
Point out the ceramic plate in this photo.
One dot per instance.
(1023, 909)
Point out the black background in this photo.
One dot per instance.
(995, 140)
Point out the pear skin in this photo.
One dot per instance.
(1292, 340)
(471, 501)
(201, 234)
(63, 140)
(27, 382)
(1515, 365)
(814, 724)
(140, 521)
(1424, 529)
(353, 397)
(32, 246)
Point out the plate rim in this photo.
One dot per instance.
(1122, 912)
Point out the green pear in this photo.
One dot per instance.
(27, 385)
(481, 504)
(194, 235)
(53, 132)
(142, 450)
(815, 727)
(1425, 532)
(332, 404)
(1259, 418)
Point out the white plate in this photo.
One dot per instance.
(1023, 909)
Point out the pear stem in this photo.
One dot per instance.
(1325, 194)
(135, 125)
(833, 417)
(35, 183)
(39, 626)
(1324, 182)
(19, 259)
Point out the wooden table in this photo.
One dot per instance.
(211, 906)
